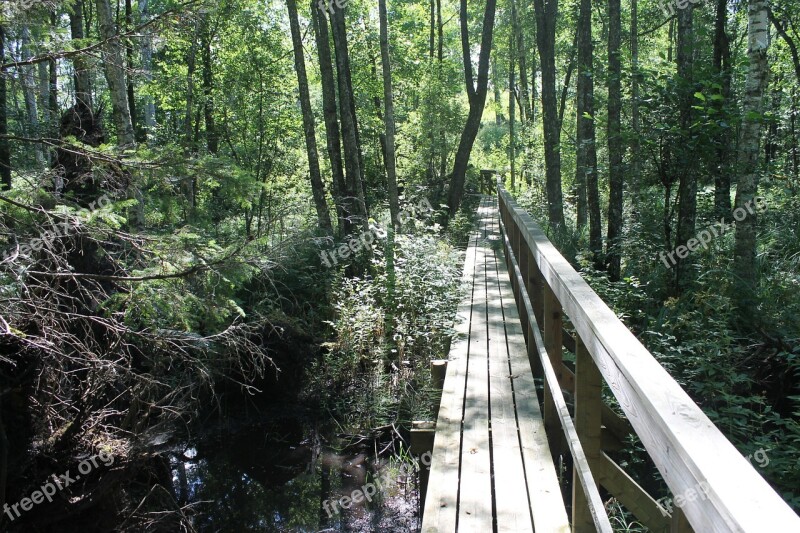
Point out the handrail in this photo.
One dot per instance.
(595, 503)
(716, 487)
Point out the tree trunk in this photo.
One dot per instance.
(636, 164)
(130, 64)
(546, 15)
(724, 141)
(687, 188)
(317, 187)
(82, 79)
(191, 65)
(586, 158)
(352, 155)
(615, 147)
(343, 203)
(498, 104)
(521, 60)
(512, 141)
(114, 68)
(391, 171)
(745, 269)
(212, 136)
(29, 92)
(477, 99)
(147, 68)
(5, 149)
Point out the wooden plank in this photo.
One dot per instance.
(685, 445)
(475, 489)
(512, 510)
(441, 502)
(543, 489)
(580, 462)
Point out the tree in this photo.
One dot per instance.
(147, 66)
(546, 16)
(114, 68)
(344, 204)
(388, 102)
(636, 146)
(347, 115)
(745, 270)
(686, 165)
(512, 142)
(586, 156)
(615, 146)
(317, 187)
(722, 68)
(5, 148)
(476, 97)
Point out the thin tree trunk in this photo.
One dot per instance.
(391, 171)
(521, 60)
(498, 104)
(114, 68)
(432, 36)
(636, 164)
(317, 186)
(332, 134)
(724, 141)
(352, 152)
(546, 15)
(131, 66)
(5, 149)
(29, 92)
(586, 166)
(212, 136)
(512, 142)
(147, 62)
(615, 147)
(191, 65)
(745, 268)
(687, 187)
(82, 80)
(477, 99)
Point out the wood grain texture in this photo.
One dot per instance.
(684, 444)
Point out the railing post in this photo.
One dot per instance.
(553, 346)
(535, 287)
(521, 253)
(588, 409)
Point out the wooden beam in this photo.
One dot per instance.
(646, 509)
(588, 403)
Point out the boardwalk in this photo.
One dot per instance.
(496, 446)
(491, 457)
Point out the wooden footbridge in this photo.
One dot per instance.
(501, 447)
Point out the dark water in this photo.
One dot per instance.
(279, 473)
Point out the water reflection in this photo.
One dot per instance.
(277, 476)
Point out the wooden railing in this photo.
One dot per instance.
(714, 487)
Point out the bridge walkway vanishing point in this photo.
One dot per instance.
(496, 447)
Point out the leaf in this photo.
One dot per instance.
(700, 96)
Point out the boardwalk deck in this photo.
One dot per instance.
(491, 468)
